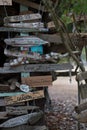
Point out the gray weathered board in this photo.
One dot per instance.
(11, 29)
(21, 18)
(27, 127)
(24, 97)
(36, 68)
(5, 2)
(2, 103)
(83, 91)
(22, 41)
(20, 108)
(25, 25)
(37, 81)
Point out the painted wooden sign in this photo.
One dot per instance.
(21, 18)
(24, 97)
(5, 2)
(25, 41)
(25, 25)
(37, 81)
(21, 120)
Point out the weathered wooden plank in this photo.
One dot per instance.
(32, 118)
(24, 97)
(2, 103)
(37, 81)
(25, 25)
(30, 4)
(21, 18)
(10, 109)
(5, 2)
(23, 41)
(10, 94)
(27, 127)
(11, 29)
(36, 68)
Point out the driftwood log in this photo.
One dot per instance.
(21, 120)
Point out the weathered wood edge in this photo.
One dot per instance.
(36, 68)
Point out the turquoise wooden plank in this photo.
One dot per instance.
(11, 94)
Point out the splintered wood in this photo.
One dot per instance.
(37, 81)
(24, 97)
(5, 2)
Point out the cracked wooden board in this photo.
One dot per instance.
(37, 81)
(24, 97)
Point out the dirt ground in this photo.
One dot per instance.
(63, 95)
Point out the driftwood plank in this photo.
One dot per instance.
(24, 97)
(30, 4)
(27, 127)
(25, 25)
(32, 118)
(5, 2)
(36, 68)
(22, 41)
(11, 29)
(37, 81)
(21, 108)
(19, 18)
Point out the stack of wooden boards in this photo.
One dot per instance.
(24, 94)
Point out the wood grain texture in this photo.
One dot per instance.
(37, 81)
(24, 97)
(36, 68)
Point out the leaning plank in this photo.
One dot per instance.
(25, 25)
(81, 107)
(24, 97)
(30, 4)
(21, 120)
(19, 18)
(37, 81)
(22, 41)
(27, 127)
(11, 29)
(36, 68)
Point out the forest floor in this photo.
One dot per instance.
(64, 97)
